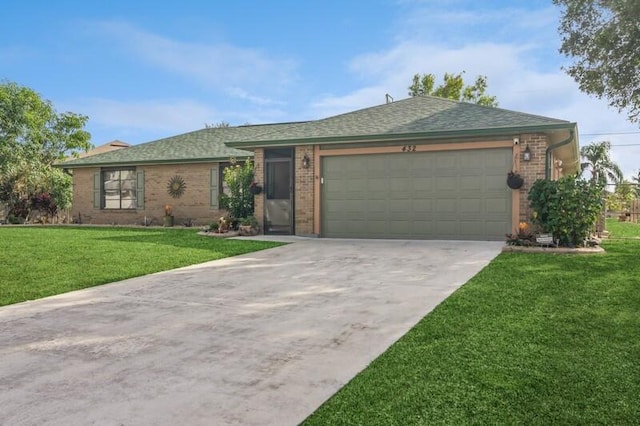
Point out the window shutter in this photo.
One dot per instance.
(213, 188)
(140, 189)
(96, 191)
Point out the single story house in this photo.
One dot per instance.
(422, 167)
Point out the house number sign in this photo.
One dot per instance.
(409, 148)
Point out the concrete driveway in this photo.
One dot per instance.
(259, 339)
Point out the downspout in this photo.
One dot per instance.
(547, 165)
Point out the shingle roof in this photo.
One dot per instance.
(420, 115)
(200, 145)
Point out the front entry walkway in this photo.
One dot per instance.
(258, 339)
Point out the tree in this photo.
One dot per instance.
(598, 160)
(603, 38)
(220, 125)
(33, 136)
(453, 88)
(620, 200)
(636, 178)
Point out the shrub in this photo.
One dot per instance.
(567, 208)
(238, 177)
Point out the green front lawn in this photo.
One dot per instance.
(532, 339)
(623, 229)
(43, 261)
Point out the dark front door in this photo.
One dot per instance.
(278, 203)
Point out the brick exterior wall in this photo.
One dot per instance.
(531, 170)
(194, 204)
(304, 191)
(258, 177)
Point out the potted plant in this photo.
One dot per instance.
(168, 216)
(248, 225)
(514, 180)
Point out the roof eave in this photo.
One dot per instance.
(152, 162)
(444, 134)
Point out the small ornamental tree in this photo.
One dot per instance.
(567, 208)
(238, 178)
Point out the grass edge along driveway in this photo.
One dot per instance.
(532, 339)
(44, 261)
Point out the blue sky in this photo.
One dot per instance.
(146, 70)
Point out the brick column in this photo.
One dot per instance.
(258, 177)
(304, 191)
(531, 170)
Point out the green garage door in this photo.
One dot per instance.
(420, 195)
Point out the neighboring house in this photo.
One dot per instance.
(422, 167)
(109, 146)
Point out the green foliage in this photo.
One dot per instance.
(621, 199)
(636, 183)
(238, 178)
(597, 159)
(453, 88)
(249, 221)
(603, 38)
(567, 208)
(219, 125)
(33, 136)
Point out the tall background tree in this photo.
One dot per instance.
(597, 159)
(454, 88)
(33, 136)
(636, 182)
(603, 39)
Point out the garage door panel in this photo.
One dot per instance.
(495, 228)
(423, 205)
(446, 228)
(423, 183)
(449, 206)
(470, 183)
(377, 184)
(374, 163)
(400, 184)
(446, 161)
(471, 206)
(399, 227)
(498, 206)
(446, 183)
(471, 228)
(443, 195)
(495, 183)
(359, 185)
(399, 162)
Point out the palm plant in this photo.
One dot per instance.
(598, 160)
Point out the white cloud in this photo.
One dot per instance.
(235, 70)
(170, 116)
(523, 72)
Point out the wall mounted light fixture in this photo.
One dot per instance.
(526, 154)
(306, 161)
